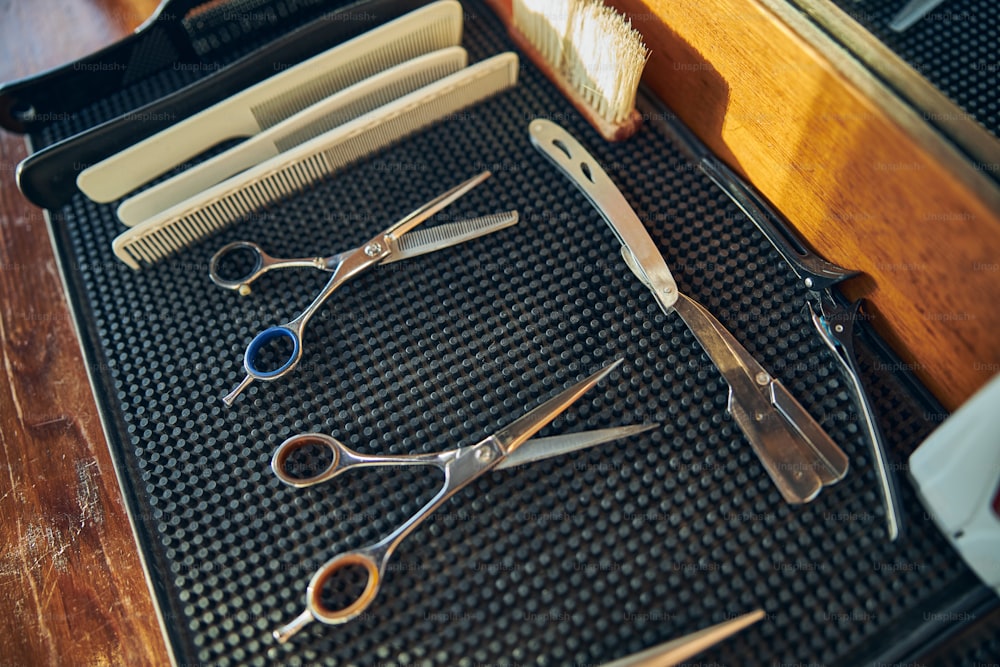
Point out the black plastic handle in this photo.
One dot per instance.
(37, 100)
(48, 177)
(817, 273)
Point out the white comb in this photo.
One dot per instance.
(269, 102)
(303, 165)
(311, 122)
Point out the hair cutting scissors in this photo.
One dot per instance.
(389, 245)
(461, 467)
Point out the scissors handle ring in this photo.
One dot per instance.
(314, 593)
(279, 462)
(242, 281)
(263, 338)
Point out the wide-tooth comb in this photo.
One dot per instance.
(303, 165)
(307, 124)
(271, 101)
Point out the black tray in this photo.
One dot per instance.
(576, 560)
(956, 47)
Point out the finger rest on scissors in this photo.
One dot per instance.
(280, 460)
(233, 258)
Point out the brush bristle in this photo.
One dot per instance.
(547, 22)
(287, 174)
(593, 47)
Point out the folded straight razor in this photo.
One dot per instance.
(795, 451)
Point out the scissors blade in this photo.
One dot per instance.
(433, 206)
(677, 651)
(517, 433)
(912, 12)
(539, 449)
(423, 241)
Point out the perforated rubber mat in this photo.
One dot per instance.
(575, 560)
(956, 47)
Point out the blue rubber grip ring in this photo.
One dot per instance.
(262, 339)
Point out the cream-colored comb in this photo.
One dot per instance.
(303, 165)
(311, 122)
(269, 102)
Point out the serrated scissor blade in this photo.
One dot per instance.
(422, 241)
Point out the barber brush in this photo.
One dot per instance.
(589, 51)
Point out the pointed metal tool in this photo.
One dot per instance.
(677, 651)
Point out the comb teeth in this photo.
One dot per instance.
(436, 35)
(363, 105)
(323, 116)
(294, 170)
(435, 26)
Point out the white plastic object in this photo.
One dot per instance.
(297, 168)
(267, 103)
(311, 122)
(957, 474)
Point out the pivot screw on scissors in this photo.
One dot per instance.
(461, 467)
(390, 245)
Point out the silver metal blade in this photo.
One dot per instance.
(517, 433)
(422, 241)
(586, 174)
(677, 651)
(912, 12)
(433, 206)
(539, 449)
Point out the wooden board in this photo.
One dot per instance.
(74, 587)
(864, 179)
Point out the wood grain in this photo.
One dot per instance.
(74, 588)
(860, 176)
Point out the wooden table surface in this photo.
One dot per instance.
(74, 588)
(74, 591)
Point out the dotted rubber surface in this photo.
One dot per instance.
(956, 47)
(576, 560)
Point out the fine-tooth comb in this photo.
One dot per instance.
(433, 27)
(303, 165)
(309, 123)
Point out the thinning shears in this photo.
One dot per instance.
(509, 447)
(390, 245)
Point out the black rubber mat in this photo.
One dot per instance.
(956, 47)
(575, 560)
